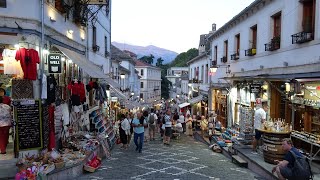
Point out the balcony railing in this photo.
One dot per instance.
(302, 37)
(273, 45)
(250, 52)
(194, 80)
(235, 56)
(224, 59)
(214, 62)
(156, 88)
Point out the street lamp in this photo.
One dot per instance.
(122, 76)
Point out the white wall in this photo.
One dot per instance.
(202, 73)
(300, 57)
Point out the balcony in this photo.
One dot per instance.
(95, 48)
(224, 59)
(302, 37)
(235, 56)
(156, 88)
(250, 52)
(214, 63)
(273, 45)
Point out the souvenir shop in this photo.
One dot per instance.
(61, 116)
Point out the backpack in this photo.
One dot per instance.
(301, 167)
(151, 119)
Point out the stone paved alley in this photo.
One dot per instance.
(186, 158)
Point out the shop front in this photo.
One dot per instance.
(61, 116)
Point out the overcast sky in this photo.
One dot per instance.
(171, 24)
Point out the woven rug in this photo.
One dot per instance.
(22, 89)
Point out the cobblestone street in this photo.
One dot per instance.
(184, 159)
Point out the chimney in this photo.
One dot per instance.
(214, 27)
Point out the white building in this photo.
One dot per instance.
(125, 65)
(270, 41)
(174, 76)
(81, 32)
(199, 78)
(150, 83)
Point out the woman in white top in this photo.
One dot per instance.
(189, 125)
(124, 130)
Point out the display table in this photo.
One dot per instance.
(272, 145)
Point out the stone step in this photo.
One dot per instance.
(8, 169)
(239, 160)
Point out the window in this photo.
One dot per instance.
(3, 3)
(254, 37)
(277, 25)
(215, 53)
(308, 18)
(206, 74)
(141, 95)
(141, 84)
(106, 53)
(238, 44)
(94, 36)
(202, 72)
(141, 72)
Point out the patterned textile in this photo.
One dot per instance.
(22, 89)
(5, 115)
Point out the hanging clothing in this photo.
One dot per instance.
(51, 89)
(5, 115)
(29, 58)
(11, 66)
(78, 94)
(52, 141)
(44, 94)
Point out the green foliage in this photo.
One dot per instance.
(147, 59)
(182, 59)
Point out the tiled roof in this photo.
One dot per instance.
(117, 54)
(141, 63)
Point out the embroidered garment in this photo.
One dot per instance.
(11, 66)
(5, 115)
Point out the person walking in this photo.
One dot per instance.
(189, 125)
(168, 128)
(152, 120)
(145, 115)
(124, 130)
(130, 119)
(182, 121)
(138, 125)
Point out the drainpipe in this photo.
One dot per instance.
(42, 46)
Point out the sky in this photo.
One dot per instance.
(170, 24)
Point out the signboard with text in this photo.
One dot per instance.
(54, 63)
(312, 91)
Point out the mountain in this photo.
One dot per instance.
(141, 51)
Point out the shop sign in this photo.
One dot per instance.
(114, 99)
(312, 91)
(54, 63)
(255, 87)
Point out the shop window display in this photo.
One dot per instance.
(65, 137)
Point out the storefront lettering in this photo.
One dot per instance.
(54, 63)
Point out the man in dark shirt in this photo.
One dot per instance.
(284, 167)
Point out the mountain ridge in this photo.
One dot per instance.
(167, 55)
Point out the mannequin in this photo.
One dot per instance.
(5, 121)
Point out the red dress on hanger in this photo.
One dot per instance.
(52, 141)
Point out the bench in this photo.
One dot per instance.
(240, 161)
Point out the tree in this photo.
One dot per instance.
(159, 62)
(147, 59)
(182, 59)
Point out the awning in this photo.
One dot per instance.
(183, 105)
(92, 70)
(116, 92)
(196, 99)
(87, 66)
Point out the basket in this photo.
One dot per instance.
(59, 165)
(89, 168)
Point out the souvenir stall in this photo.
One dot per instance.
(59, 124)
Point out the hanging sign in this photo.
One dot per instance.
(54, 63)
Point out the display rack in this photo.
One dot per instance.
(246, 123)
